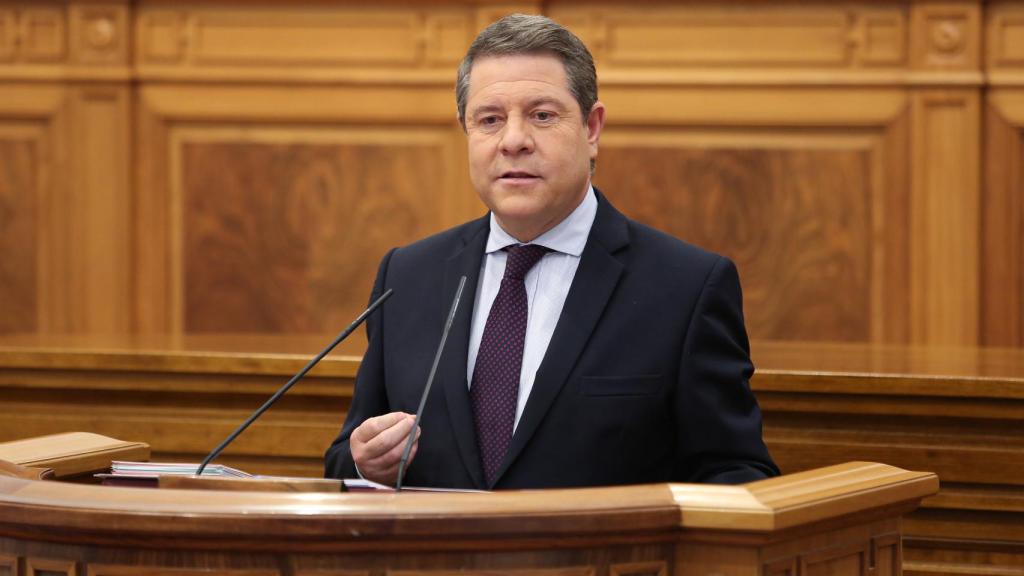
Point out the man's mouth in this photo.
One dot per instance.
(517, 175)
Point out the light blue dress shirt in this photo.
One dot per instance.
(547, 285)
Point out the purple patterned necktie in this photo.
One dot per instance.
(499, 361)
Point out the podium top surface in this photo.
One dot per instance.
(827, 495)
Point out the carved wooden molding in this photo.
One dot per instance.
(100, 569)
(567, 571)
(946, 35)
(774, 36)
(32, 35)
(80, 34)
(346, 36)
(8, 565)
(1006, 37)
(48, 567)
(639, 569)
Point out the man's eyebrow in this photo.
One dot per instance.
(545, 100)
(485, 108)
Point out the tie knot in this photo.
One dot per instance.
(521, 258)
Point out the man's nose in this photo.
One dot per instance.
(517, 137)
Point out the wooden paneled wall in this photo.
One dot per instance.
(241, 165)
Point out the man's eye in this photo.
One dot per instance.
(544, 116)
(488, 120)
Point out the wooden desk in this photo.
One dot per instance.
(959, 412)
(841, 521)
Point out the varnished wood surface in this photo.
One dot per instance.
(809, 281)
(18, 239)
(766, 507)
(293, 237)
(957, 411)
(829, 521)
(928, 367)
(221, 353)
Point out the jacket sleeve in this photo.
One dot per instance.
(370, 397)
(718, 421)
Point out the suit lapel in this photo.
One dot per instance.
(592, 286)
(465, 262)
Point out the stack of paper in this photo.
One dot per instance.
(156, 469)
(124, 473)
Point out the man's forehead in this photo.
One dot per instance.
(497, 70)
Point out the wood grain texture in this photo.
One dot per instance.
(8, 565)
(49, 567)
(286, 238)
(1002, 256)
(798, 223)
(187, 394)
(19, 193)
(854, 494)
(98, 242)
(772, 36)
(945, 208)
(806, 68)
(956, 411)
(952, 410)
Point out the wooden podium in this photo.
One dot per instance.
(842, 520)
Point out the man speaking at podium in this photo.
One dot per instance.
(588, 349)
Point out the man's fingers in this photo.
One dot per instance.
(387, 465)
(372, 427)
(389, 439)
(393, 455)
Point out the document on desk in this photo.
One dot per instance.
(362, 485)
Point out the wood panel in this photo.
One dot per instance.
(214, 40)
(1002, 257)
(798, 221)
(944, 228)
(99, 241)
(759, 35)
(8, 565)
(955, 411)
(96, 569)
(49, 567)
(964, 422)
(19, 190)
(31, 123)
(546, 533)
(289, 218)
(78, 194)
(909, 74)
(1003, 223)
(288, 237)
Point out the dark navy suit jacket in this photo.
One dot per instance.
(645, 379)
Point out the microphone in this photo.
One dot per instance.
(277, 395)
(430, 381)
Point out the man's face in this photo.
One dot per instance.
(529, 147)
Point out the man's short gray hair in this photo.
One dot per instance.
(532, 34)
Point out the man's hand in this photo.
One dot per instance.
(377, 446)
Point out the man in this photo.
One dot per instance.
(588, 349)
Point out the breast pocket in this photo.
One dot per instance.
(646, 385)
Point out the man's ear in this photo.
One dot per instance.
(595, 124)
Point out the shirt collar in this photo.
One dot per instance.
(568, 236)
